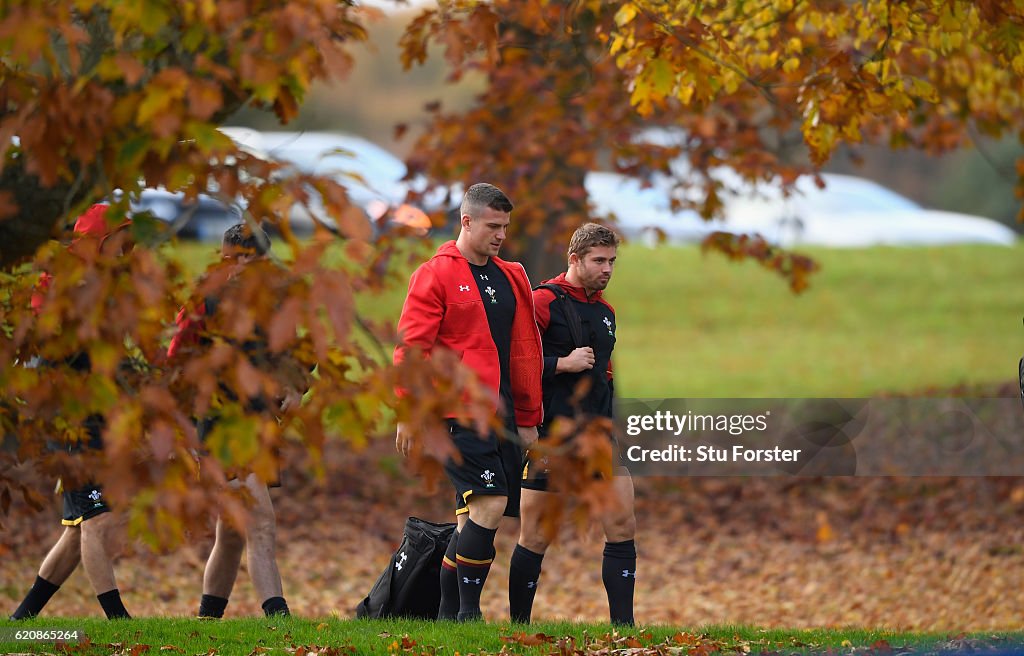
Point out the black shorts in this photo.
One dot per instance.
(82, 504)
(490, 467)
(535, 473)
(87, 501)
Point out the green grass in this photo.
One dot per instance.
(244, 636)
(874, 321)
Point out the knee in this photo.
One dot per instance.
(102, 530)
(229, 539)
(486, 511)
(622, 528)
(96, 528)
(262, 524)
(533, 539)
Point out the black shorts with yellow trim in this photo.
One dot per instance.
(490, 467)
(83, 504)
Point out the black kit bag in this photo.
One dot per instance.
(411, 584)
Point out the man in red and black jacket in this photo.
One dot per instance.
(578, 329)
(467, 300)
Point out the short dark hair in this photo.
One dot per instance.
(482, 195)
(591, 235)
(242, 236)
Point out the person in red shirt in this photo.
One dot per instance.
(92, 530)
(467, 300)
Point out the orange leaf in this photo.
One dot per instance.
(204, 98)
(529, 640)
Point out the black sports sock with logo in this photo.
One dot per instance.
(112, 605)
(212, 606)
(449, 609)
(275, 606)
(37, 596)
(618, 571)
(523, 576)
(473, 557)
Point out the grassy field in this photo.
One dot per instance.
(879, 320)
(332, 636)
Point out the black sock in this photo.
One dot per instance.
(275, 606)
(523, 576)
(449, 609)
(212, 606)
(37, 596)
(112, 605)
(474, 555)
(618, 571)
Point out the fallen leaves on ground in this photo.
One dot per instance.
(912, 553)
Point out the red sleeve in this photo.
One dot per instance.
(39, 293)
(542, 307)
(189, 326)
(421, 314)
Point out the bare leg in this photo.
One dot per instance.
(101, 543)
(261, 539)
(63, 558)
(222, 565)
(619, 523)
(485, 511)
(533, 534)
(58, 565)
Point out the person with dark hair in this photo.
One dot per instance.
(240, 239)
(242, 245)
(467, 300)
(577, 298)
(92, 533)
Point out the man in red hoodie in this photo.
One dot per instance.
(92, 531)
(467, 300)
(578, 328)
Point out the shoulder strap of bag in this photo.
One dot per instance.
(572, 317)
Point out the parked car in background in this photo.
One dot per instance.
(849, 212)
(205, 219)
(371, 175)
(852, 212)
(644, 214)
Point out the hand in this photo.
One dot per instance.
(527, 436)
(292, 399)
(580, 359)
(403, 440)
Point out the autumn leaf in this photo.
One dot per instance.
(528, 640)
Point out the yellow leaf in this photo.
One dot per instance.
(791, 65)
(625, 14)
(156, 100)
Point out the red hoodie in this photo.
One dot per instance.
(439, 314)
(91, 223)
